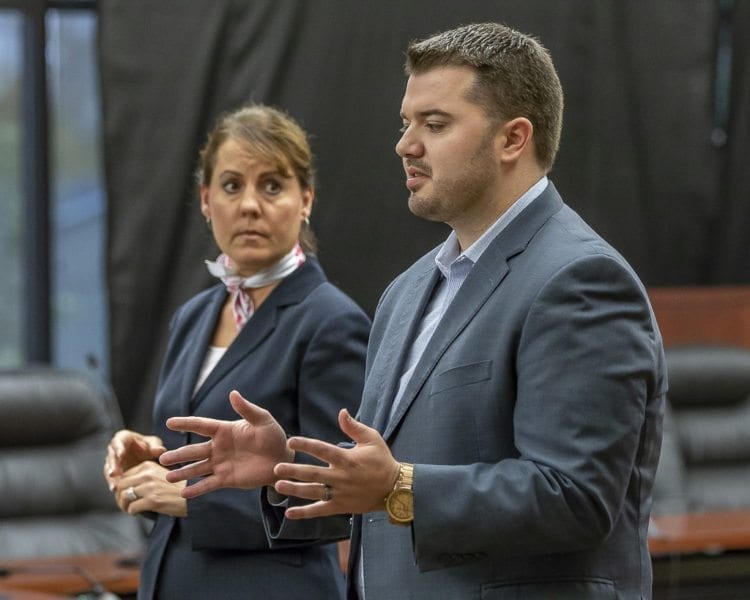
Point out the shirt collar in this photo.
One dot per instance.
(450, 251)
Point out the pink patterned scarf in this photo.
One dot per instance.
(242, 305)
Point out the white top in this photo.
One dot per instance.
(213, 356)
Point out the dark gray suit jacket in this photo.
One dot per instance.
(533, 418)
(301, 356)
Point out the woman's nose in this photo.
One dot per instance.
(249, 203)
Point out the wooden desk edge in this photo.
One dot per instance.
(107, 569)
(707, 533)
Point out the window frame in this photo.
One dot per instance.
(35, 173)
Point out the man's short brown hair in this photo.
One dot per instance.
(515, 77)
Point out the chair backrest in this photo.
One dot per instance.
(705, 459)
(54, 428)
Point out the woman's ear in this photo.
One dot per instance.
(514, 138)
(205, 209)
(308, 197)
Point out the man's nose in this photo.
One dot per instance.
(408, 145)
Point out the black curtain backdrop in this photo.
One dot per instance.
(643, 98)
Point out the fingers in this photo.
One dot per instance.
(124, 439)
(302, 473)
(154, 447)
(209, 427)
(145, 489)
(252, 413)
(154, 441)
(316, 509)
(191, 471)
(308, 491)
(200, 487)
(328, 453)
(200, 425)
(325, 497)
(358, 432)
(115, 451)
(128, 448)
(126, 489)
(189, 453)
(110, 469)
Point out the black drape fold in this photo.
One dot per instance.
(731, 264)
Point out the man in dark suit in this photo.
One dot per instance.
(510, 426)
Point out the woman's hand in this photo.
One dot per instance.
(145, 488)
(127, 449)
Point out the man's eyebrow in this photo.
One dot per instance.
(430, 112)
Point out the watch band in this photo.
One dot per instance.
(405, 479)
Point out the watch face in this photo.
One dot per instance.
(401, 505)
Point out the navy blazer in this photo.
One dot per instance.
(301, 356)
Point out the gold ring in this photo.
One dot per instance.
(327, 495)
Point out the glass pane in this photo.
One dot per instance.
(79, 320)
(11, 249)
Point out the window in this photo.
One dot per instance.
(77, 333)
(11, 261)
(77, 196)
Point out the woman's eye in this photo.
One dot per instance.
(271, 186)
(230, 187)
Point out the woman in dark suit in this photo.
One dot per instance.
(276, 331)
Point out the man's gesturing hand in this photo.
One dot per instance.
(355, 480)
(239, 454)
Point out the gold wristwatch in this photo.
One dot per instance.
(400, 502)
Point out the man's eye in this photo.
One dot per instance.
(435, 127)
(403, 128)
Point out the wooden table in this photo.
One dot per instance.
(701, 555)
(60, 576)
(707, 533)
(16, 594)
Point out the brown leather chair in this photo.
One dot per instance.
(705, 458)
(54, 428)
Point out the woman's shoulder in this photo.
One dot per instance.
(327, 300)
(320, 297)
(195, 305)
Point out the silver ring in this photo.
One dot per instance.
(131, 495)
(327, 495)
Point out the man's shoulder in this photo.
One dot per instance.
(422, 267)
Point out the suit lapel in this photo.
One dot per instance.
(198, 345)
(255, 331)
(292, 290)
(397, 339)
(483, 280)
(475, 291)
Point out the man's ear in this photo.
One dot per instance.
(514, 139)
